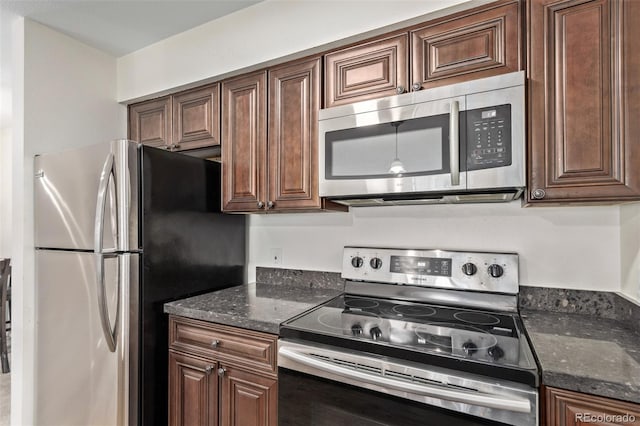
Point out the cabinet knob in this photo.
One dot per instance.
(215, 343)
(399, 90)
(416, 86)
(270, 204)
(260, 204)
(208, 369)
(538, 194)
(221, 371)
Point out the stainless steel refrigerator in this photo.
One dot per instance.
(120, 229)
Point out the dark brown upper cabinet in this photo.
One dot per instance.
(474, 44)
(150, 122)
(294, 103)
(186, 120)
(366, 71)
(584, 101)
(244, 143)
(196, 118)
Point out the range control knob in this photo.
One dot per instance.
(357, 261)
(469, 348)
(469, 269)
(495, 270)
(376, 333)
(495, 352)
(356, 330)
(375, 262)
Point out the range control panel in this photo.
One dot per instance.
(489, 137)
(476, 271)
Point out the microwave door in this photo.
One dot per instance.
(409, 149)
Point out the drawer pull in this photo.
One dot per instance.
(215, 344)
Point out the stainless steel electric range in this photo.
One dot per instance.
(420, 337)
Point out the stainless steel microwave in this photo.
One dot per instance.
(459, 143)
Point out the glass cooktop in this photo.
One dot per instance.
(479, 341)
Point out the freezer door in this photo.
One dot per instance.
(79, 379)
(80, 191)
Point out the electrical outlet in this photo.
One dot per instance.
(276, 256)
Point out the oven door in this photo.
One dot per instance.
(320, 385)
(386, 150)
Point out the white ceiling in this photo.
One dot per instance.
(114, 26)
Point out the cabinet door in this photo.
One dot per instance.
(196, 118)
(366, 71)
(150, 122)
(294, 103)
(566, 408)
(584, 100)
(474, 44)
(247, 399)
(193, 391)
(244, 142)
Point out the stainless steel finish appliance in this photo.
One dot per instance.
(447, 347)
(459, 143)
(120, 229)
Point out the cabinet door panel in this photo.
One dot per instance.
(583, 90)
(150, 122)
(567, 408)
(247, 399)
(480, 44)
(294, 103)
(244, 142)
(197, 118)
(366, 71)
(193, 391)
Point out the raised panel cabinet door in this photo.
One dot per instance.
(567, 408)
(193, 391)
(584, 100)
(196, 118)
(367, 71)
(294, 103)
(479, 43)
(150, 122)
(244, 143)
(247, 399)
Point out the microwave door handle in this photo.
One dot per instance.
(454, 142)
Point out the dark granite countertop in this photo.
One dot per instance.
(259, 307)
(586, 353)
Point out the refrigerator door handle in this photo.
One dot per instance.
(110, 333)
(105, 177)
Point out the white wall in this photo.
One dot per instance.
(257, 35)
(630, 250)
(570, 247)
(5, 192)
(64, 96)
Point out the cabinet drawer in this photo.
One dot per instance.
(251, 349)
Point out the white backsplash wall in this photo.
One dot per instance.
(569, 247)
(630, 250)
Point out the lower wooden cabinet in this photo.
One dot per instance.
(247, 399)
(221, 375)
(567, 408)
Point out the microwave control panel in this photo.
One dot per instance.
(488, 137)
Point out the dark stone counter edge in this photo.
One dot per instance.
(590, 386)
(248, 324)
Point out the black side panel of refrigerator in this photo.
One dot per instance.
(189, 248)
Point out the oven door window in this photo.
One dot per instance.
(421, 147)
(312, 401)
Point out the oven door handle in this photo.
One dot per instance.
(500, 402)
